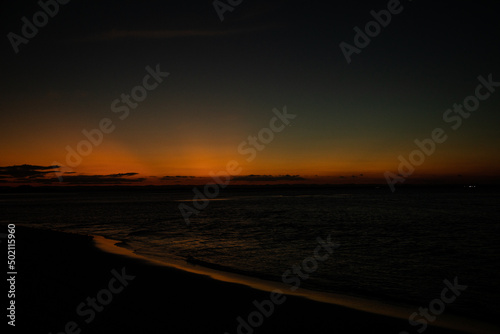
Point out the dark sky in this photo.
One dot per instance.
(225, 78)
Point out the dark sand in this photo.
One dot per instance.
(58, 271)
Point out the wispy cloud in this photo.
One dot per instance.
(117, 34)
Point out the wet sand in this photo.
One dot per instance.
(65, 284)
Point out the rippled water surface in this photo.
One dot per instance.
(397, 247)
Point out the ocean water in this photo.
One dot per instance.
(396, 247)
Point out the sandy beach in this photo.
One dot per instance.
(65, 284)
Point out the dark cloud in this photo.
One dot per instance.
(122, 174)
(95, 179)
(38, 174)
(169, 178)
(268, 178)
(31, 171)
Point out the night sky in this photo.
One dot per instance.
(225, 78)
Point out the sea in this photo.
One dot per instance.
(398, 247)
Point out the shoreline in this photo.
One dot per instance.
(58, 271)
(355, 303)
